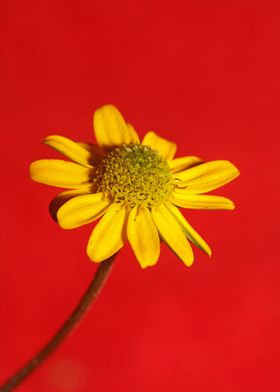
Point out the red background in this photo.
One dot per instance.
(204, 74)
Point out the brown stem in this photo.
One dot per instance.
(88, 298)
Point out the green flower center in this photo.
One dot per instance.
(134, 174)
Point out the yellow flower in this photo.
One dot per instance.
(135, 188)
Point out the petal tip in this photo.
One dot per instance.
(207, 250)
(48, 139)
(91, 255)
(93, 259)
(189, 263)
(32, 170)
(188, 259)
(147, 264)
(62, 223)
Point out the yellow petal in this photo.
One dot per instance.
(95, 151)
(206, 177)
(110, 127)
(143, 236)
(171, 232)
(109, 234)
(63, 197)
(133, 134)
(191, 234)
(183, 163)
(166, 148)
(60, 173)
(69, 148)
(201, 202)
(81, 210)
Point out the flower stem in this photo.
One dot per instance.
(88, 298)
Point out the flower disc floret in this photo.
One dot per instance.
(135, 174)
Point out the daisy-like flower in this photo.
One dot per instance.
(134, 187)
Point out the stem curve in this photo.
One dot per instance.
(88, 298)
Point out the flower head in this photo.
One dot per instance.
(135, 188)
